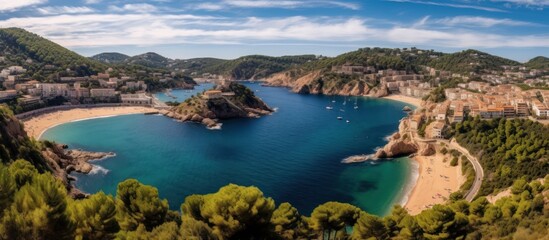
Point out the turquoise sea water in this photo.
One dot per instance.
(293, 155)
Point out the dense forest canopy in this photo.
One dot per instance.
(36, 206)
(508, 149)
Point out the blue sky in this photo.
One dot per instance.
(516, 29)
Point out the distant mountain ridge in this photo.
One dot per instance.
(110, 57)
(246, 67)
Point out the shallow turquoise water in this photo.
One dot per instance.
(293, 155)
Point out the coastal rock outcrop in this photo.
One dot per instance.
(72, 160)
(318, 82)
(227, 101)
(426, 149)
(379, 91)
(398, 146)
(62, 162)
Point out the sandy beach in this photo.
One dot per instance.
(36, 126)
(416, 102)
(436, 180)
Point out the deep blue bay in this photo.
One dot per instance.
(293, 155)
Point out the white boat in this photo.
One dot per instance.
(347, 121)
(339, 118)
(329, 108)
(345, 101)
(356, 105)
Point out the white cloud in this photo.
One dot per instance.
(213, 6)
(540, 3)
(87, 30)
(263, 3)
(477, 21)
(209, 6)
(64, 10)
(10, 5)
(92, 1)
(444, 4)
(139, 8)
(463, 39)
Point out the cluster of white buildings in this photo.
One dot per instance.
(32, 93)
(497, 101)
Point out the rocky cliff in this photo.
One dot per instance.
(325, 82)
(45, 156)
(400, 144)
(237, 101)
(63, 161)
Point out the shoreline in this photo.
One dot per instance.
(36, 126)
(415, 102)
(411, 183)
(435, 181)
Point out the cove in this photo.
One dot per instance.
(293, 155)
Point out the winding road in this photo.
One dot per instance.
(479, 172)
(452, 144)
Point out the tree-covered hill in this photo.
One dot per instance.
(196, 65)
(470, 61)
(43, 58)
(539, 62)
(150, 59)
(380, 58)
(110, 57)
(256, 66)
(508, 149)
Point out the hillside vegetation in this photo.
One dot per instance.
(539, 62)
(508, 149)
(36, 206)
(18, 46)
(471, 61)
(150, 59)
(110, 57)
(15, 144)
(256, 66)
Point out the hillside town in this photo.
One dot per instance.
(30, 94)
(493, 95)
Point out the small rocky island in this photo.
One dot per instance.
(226, 100)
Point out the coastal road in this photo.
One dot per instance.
(479, 172)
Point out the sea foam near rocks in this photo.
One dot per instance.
(96, 169)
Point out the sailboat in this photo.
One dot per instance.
(345, 101)
(356, 106)
(333, 100)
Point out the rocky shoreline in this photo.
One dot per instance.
(63, 161)
(400, 144)
(312, 83)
